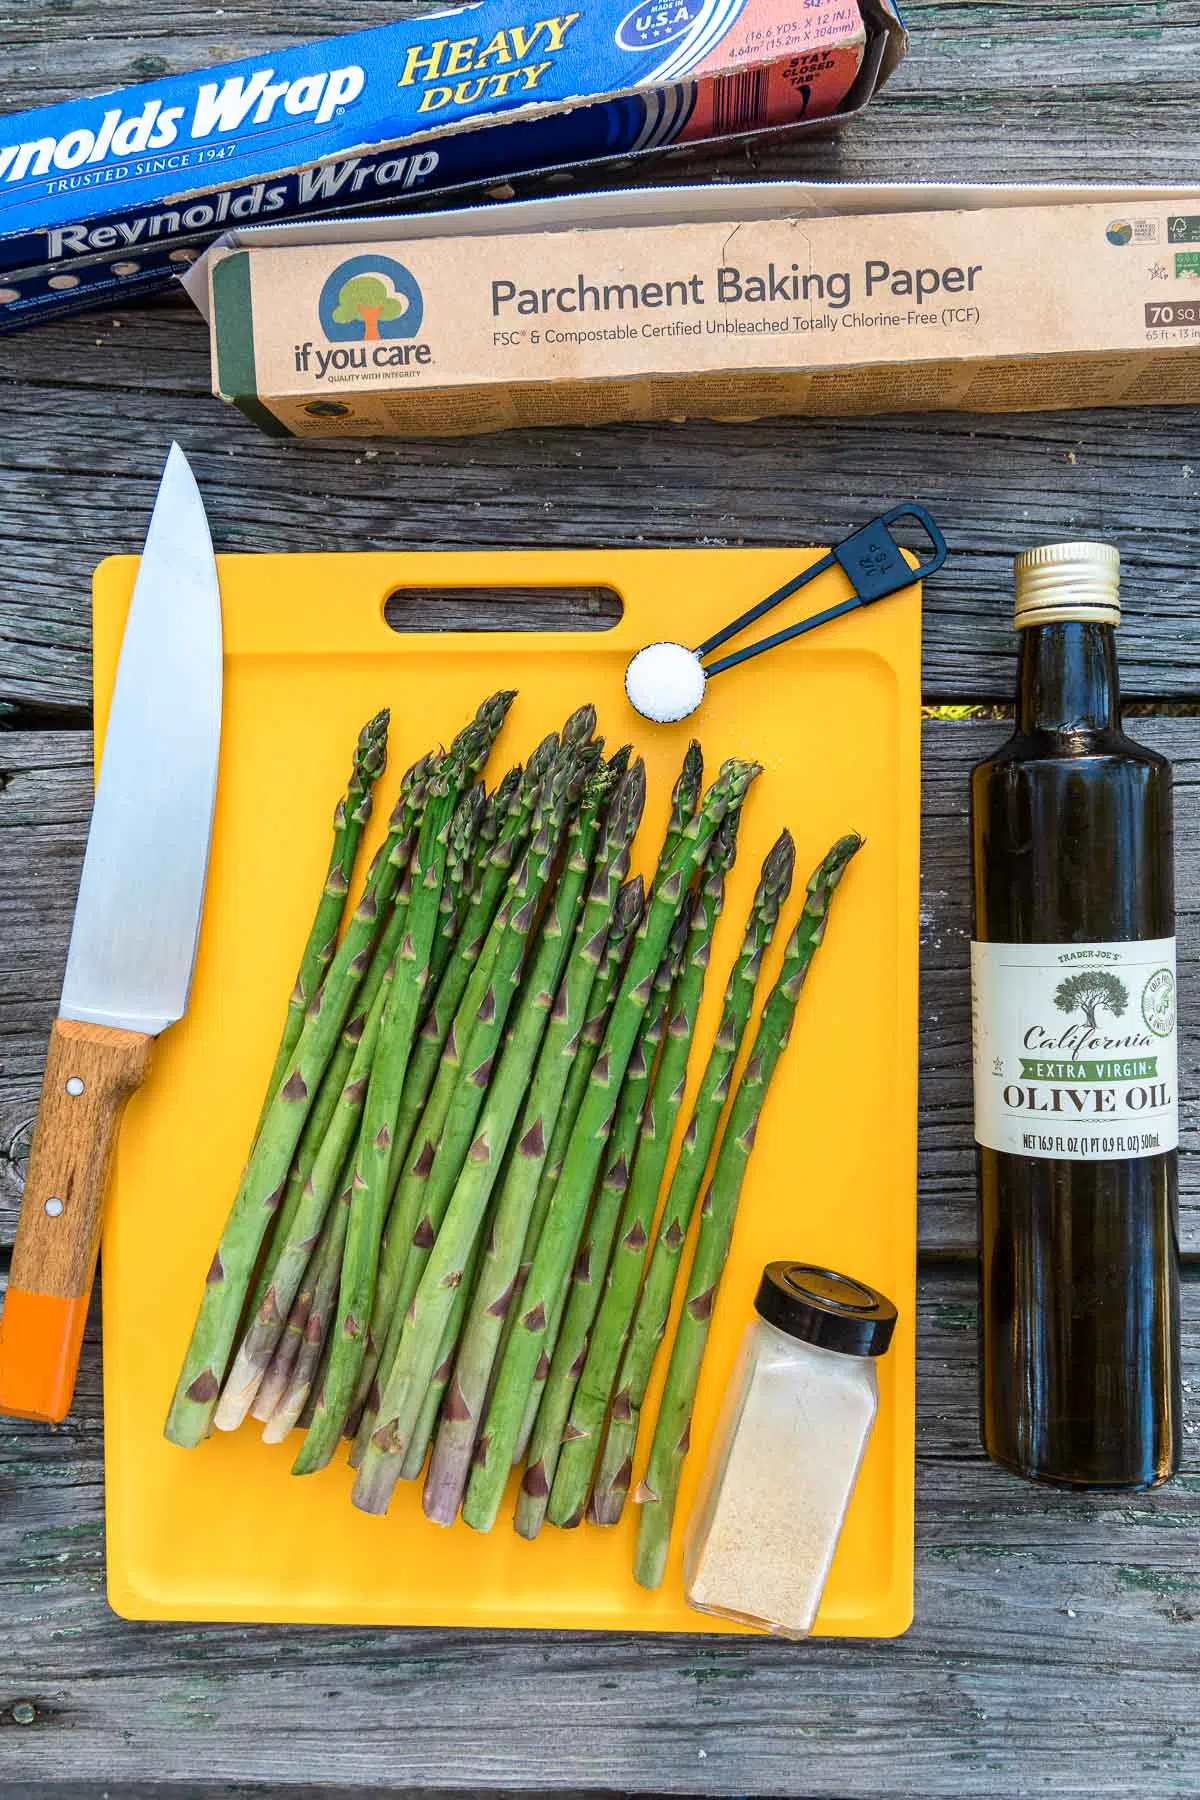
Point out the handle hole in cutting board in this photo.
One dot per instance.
(503, 609)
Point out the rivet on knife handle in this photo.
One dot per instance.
(91, 1070)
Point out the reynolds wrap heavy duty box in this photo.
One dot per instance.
(113, 196)
(736, 302)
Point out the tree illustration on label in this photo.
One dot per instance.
(368, 297)
(1090, 990)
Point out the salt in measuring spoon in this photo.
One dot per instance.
(665, 682)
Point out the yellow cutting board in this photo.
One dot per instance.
(225, 1532)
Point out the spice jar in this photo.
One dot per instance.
(789, 1443)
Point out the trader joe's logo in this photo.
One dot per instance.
(370, 298)
(657, 22)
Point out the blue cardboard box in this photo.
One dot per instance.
(114, 196)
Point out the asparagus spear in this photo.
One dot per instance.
(431, 1406)
(456, 1435)
(283, 1362)
(282, 1366)
(455, 1007)
(596, 1247)
(453, 1223)
(627, 915)
(685, 798)
(467, 870)
(262, 1336)
(516, 933)
(404, 1240)
(658, 1491)
(370, 1183)
(349, 822)
(564, 1221)
(572, 1479)
(307, 1379)
(265, 1177)
(289, 1380)
(325, 1145)
(654, 1306)
(465, 828)
(434, 1066)
(413, 791)
(319, 1359)
(432, 1076)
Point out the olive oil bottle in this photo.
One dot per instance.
(1075, 1063)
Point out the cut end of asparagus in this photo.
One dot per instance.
(606, 1509)
(438, 1505)
(277, 1429)
(650, 1566)
(373, 1488)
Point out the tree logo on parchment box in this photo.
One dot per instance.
(1089, 991)
(369, 298)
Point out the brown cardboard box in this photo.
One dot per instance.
(736, 302)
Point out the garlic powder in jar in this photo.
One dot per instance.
(788, 1447)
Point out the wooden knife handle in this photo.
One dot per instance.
(91, 1070)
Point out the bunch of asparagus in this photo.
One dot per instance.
(444, 1235)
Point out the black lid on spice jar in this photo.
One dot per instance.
(825, 1308)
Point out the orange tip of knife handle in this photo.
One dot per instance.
(40, 1338)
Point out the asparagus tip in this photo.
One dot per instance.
(581, 726)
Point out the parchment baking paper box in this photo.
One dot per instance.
(711, 302)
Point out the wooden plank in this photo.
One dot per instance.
(236, 1790)
(996, 485)
(240, 1791)
(1054, 1651)
(44, 799)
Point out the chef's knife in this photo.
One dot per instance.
(133, 941)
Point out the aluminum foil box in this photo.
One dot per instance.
(109, 196)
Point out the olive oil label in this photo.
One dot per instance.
(1074, 1047)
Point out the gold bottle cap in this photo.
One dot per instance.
(1068, 581)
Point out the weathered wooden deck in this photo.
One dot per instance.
(1057, 1640)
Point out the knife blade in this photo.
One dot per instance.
(133, 941)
